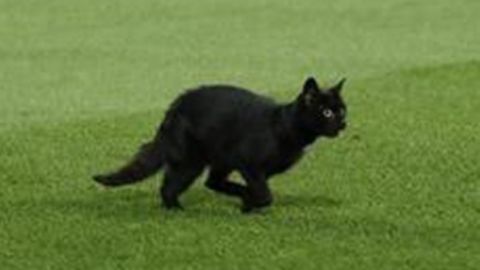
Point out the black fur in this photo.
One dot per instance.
(232, 129)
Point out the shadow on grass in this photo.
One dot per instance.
(128, 205)
(307, 200)
(137, 205)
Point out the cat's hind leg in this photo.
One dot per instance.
(218, 181)
(177, 179)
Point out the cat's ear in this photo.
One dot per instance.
(310, 90)
(337, 88)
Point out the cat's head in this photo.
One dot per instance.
(322, 110)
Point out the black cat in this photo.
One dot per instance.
(232, 129)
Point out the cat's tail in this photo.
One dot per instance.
(146, 162)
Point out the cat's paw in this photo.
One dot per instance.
(175, 206)
(246, 209)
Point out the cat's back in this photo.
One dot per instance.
(221, 100)
(224, 122)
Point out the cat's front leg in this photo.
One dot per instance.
(258, 193)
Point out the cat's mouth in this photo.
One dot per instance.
(333, 133)
(336, 131)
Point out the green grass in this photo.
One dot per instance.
(82, 83)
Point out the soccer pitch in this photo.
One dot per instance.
(83, 83)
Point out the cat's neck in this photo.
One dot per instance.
(290, 130)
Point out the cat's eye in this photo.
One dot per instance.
(327, 113)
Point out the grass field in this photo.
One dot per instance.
(83, 83)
